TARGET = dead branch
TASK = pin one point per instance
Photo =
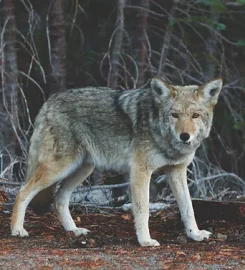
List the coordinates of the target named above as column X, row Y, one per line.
column 2, row 182
column 85, row 189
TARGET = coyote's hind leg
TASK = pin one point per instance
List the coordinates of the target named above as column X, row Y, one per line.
column 63, row 195
column 45, row 175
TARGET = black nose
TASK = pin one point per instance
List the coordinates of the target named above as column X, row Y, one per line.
column 184, row 137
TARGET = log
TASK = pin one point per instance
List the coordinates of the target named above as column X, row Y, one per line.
column 218, row 210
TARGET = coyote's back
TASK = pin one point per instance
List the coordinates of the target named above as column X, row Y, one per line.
column 137, row 131
column 85, row 125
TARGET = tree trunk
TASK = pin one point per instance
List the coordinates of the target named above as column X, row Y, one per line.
column 141, row 41
column 9, row 92
column 117, row 40
column 211, row 50
column 167, row 38
column 57, row 45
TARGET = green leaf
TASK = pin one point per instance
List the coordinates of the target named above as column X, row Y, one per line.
column 239, row 126
column 172, row 22
column 241, row 43
column 207, row 2
column 220, row 26
column 215, row 5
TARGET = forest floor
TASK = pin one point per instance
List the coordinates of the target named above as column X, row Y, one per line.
column 112, row 244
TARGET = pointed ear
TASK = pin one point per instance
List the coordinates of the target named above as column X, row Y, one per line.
column 211, row 90
column 160, row 88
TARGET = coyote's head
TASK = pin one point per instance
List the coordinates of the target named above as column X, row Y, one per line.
column 186, row 112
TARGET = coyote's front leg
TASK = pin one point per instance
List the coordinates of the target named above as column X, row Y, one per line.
column 177, row 177
column 140, row 180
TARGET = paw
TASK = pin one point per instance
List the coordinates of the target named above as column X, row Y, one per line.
column 20, row 232
column 80, row 231
column 149, row 243
column 199, row 235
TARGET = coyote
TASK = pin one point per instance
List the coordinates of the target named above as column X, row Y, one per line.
column 139, row 131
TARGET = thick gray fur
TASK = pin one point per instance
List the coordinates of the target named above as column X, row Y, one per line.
column 135, row 131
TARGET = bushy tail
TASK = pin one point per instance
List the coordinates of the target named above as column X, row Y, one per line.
column 42, row 201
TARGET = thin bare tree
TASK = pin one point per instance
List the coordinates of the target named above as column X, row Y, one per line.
column 9, row 92
column 116, row 46
column 167, row 38
column 141, row 41
column 57, row 45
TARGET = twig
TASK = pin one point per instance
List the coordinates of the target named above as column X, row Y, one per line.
column 85, row 189
column 10, row 183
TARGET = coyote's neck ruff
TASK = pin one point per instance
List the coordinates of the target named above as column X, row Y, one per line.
column 139, row 130
column 171, row 120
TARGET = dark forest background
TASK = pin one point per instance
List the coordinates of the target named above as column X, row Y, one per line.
column 49, row 46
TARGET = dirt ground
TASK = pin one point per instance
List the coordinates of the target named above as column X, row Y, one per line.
column 112, row 244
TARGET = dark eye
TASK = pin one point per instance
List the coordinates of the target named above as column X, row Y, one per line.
column 175, row 115
column 195, row 115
